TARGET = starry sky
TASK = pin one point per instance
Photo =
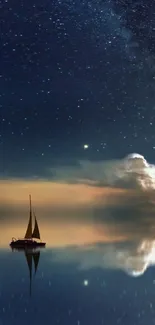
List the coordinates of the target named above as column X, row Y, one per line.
column 75, row 73
column 77, row 95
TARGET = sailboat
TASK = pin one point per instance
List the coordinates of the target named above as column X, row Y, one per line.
column 32, row 238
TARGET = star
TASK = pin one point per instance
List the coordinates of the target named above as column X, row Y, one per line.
column 86, row 146
column 85, row 283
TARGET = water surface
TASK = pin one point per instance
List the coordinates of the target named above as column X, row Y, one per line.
column 91, row 284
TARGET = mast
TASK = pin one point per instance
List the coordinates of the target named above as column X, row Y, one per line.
column 29, row 227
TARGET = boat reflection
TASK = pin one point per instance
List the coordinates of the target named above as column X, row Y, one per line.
column 32, row 257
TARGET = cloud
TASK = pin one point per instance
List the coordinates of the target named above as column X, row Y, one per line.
column 92, row 173
column 132, row 172
column 131, row 257
column 130, row 211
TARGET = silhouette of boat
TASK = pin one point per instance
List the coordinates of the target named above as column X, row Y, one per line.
column 32, row 238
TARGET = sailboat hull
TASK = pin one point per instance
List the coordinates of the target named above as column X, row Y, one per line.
column 25, row 243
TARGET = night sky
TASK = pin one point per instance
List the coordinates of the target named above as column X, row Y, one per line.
column 75, row 73
column 77, row 97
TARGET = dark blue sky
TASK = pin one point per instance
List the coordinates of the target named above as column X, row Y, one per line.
column 75, row 73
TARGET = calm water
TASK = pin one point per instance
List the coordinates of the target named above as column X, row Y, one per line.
column 100, row 284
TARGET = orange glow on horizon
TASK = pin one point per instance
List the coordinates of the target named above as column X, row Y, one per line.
column 51, row 193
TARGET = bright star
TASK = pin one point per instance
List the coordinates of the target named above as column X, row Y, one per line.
column 85, row 282
column 86, row 146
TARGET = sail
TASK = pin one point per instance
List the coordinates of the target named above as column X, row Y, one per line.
column 29, row 227
column 36, row 232
column 36, row 257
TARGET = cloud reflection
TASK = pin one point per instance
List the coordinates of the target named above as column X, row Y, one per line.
column 131, row 257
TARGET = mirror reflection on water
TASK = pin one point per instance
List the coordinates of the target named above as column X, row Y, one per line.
column 110, row 283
